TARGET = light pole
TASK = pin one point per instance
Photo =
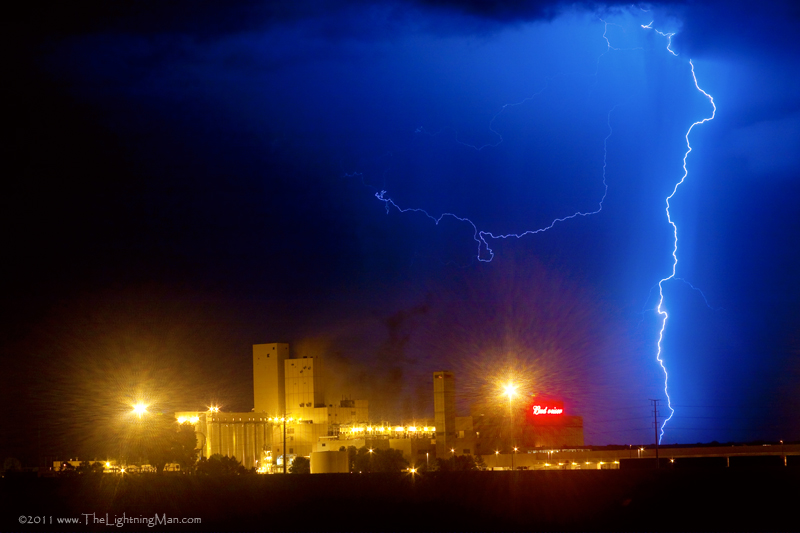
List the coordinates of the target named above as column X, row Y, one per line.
column 139, row 432
column 512, row 458
column 511, row 391
column 284, row 442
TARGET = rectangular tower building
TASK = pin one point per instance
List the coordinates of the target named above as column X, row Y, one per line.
column 444, row 410
column 268, row 378
column 304, row 388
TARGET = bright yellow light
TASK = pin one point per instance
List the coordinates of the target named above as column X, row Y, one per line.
column 108, row 465
column 181, row 419
column 139, row 409
column 515, row 448
column 413, row 470
column 412, row 428
column 497, row 452
column 510, row 389
column 370, row 450
column 122, row 470
column 194, row 419
column 399, row 428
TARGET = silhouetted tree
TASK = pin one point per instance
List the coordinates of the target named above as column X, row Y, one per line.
column 363, row 460
column 87, row 467
column 219, row 465
column 67, row 470
column 463, row 463
column 458, row 463
column 166, row 442
column 388, row 461
column 352, row 453
column 300, row 465
column 185, row 447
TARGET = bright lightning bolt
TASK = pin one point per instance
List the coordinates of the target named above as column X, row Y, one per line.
column 485, row 253
column 659, row 308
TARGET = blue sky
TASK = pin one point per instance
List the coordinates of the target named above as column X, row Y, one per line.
column 204, row 179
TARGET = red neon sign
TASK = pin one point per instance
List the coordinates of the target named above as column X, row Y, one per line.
column 547, row 410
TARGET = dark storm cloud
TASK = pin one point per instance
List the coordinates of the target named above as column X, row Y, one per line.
column 710, row 28
column 204, row 19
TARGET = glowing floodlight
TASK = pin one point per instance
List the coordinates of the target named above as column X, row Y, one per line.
column 510, row 390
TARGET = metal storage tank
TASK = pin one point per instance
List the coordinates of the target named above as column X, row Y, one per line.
column 332, row 462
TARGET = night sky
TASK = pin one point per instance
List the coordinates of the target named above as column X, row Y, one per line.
column 190, row 178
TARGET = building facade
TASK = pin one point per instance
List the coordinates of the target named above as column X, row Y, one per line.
column 291, row 417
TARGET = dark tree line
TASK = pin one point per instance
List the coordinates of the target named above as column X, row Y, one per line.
column 158, row 440
column 362, row 460
column 220, row 465
column 456, row 463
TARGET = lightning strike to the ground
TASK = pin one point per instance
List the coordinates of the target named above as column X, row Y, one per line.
column 660, row 307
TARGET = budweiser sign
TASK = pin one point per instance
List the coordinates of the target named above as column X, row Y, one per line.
column 547, row 410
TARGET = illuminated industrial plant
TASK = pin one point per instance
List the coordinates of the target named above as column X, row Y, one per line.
column 291, row 418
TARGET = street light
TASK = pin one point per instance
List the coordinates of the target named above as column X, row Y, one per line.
column 512, row 458
column 139, row 409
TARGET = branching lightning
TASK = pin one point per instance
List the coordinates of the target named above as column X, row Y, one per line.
column 660, row 307
column 485, row 253
column 661, row 33
column 482, row 237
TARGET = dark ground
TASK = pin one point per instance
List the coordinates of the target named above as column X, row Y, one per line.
column 719, row 499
